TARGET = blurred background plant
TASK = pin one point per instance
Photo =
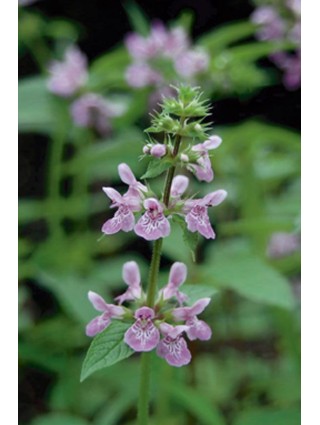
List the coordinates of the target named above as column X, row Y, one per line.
column 73, row 135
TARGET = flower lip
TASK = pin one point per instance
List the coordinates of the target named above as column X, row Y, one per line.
column 144, row 313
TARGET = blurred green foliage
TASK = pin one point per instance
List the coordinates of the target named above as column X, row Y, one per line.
column 248, row 374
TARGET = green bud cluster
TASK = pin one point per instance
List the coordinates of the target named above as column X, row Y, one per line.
column 183, row 115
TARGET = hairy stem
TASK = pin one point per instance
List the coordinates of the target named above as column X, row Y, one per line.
column 143, row 406
column 170, row 173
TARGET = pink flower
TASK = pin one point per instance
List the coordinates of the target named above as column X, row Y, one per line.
column 123, row 218
column 160, row 42
column 127, row 204
column 191, row 63
column 292, row 72
column 197, row 213
column 177, row 42
column 67, row 76
column 197, row 329
column 158, row 150
column 138, row 47
column 136, row 188
column 131, row 276
column 143, row 335
column 272, row 27
column 93, row 111
column 203, row 169
column 177, row 276
column 153, row 224
column 99, row 323
column 282, row 244
column 141, row 75
column 179, row 186
column 173, row 347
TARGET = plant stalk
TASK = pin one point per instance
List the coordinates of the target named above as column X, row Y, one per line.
column 143, row 405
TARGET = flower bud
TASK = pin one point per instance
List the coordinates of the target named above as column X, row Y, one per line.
column 158, row 150
column 184, row 157
column 146, row 149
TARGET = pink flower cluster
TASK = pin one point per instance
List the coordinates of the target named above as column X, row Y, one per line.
column 284, row 25
column 68, row 78
column 162, row 45
column 171, row 319
column 154, row 223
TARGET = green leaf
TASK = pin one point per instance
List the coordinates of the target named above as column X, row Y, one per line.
column 106, row 349
column 221, row 37
column 197, row 404
column 191, row 239
column 108, row 70
column 156, row 167
column 71, row 287
column 137, row 17
column 254, row 51
column 288, row 416
column 234, row 267
column 197, row 291
column 102, row 158
column 59, row 419
column 35, row 113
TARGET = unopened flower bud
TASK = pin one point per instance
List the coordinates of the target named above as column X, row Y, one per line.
column 184, row 157
column 146, row 149
column 198, row 127
column 158, row 150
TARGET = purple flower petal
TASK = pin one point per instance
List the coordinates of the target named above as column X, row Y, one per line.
column 178, row 274
column 158, row 150
column 97, row 325
column 131, row 276
column 173, row 348
column 97, row 301
column 131, row 273
column 203, row 169
column 214, row 198
column 68, row 75
column 143, row 335
column 212, row 143
column 198, row 221
column 126, row 175
column 198, row 329
column 122, row 220
column 114, row 195
column 179, row 185
column 186, row 313
column 153, row 224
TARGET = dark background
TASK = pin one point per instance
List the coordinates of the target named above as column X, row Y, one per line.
column 105, row 23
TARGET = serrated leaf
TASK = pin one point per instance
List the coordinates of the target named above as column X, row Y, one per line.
column 106, row 349
column 197, row 291
column 155, row 168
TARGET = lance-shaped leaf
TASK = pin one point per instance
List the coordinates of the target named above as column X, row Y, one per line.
column 106, row 349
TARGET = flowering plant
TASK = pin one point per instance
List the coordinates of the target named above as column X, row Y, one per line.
column 281, row 22
column 140, row 317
